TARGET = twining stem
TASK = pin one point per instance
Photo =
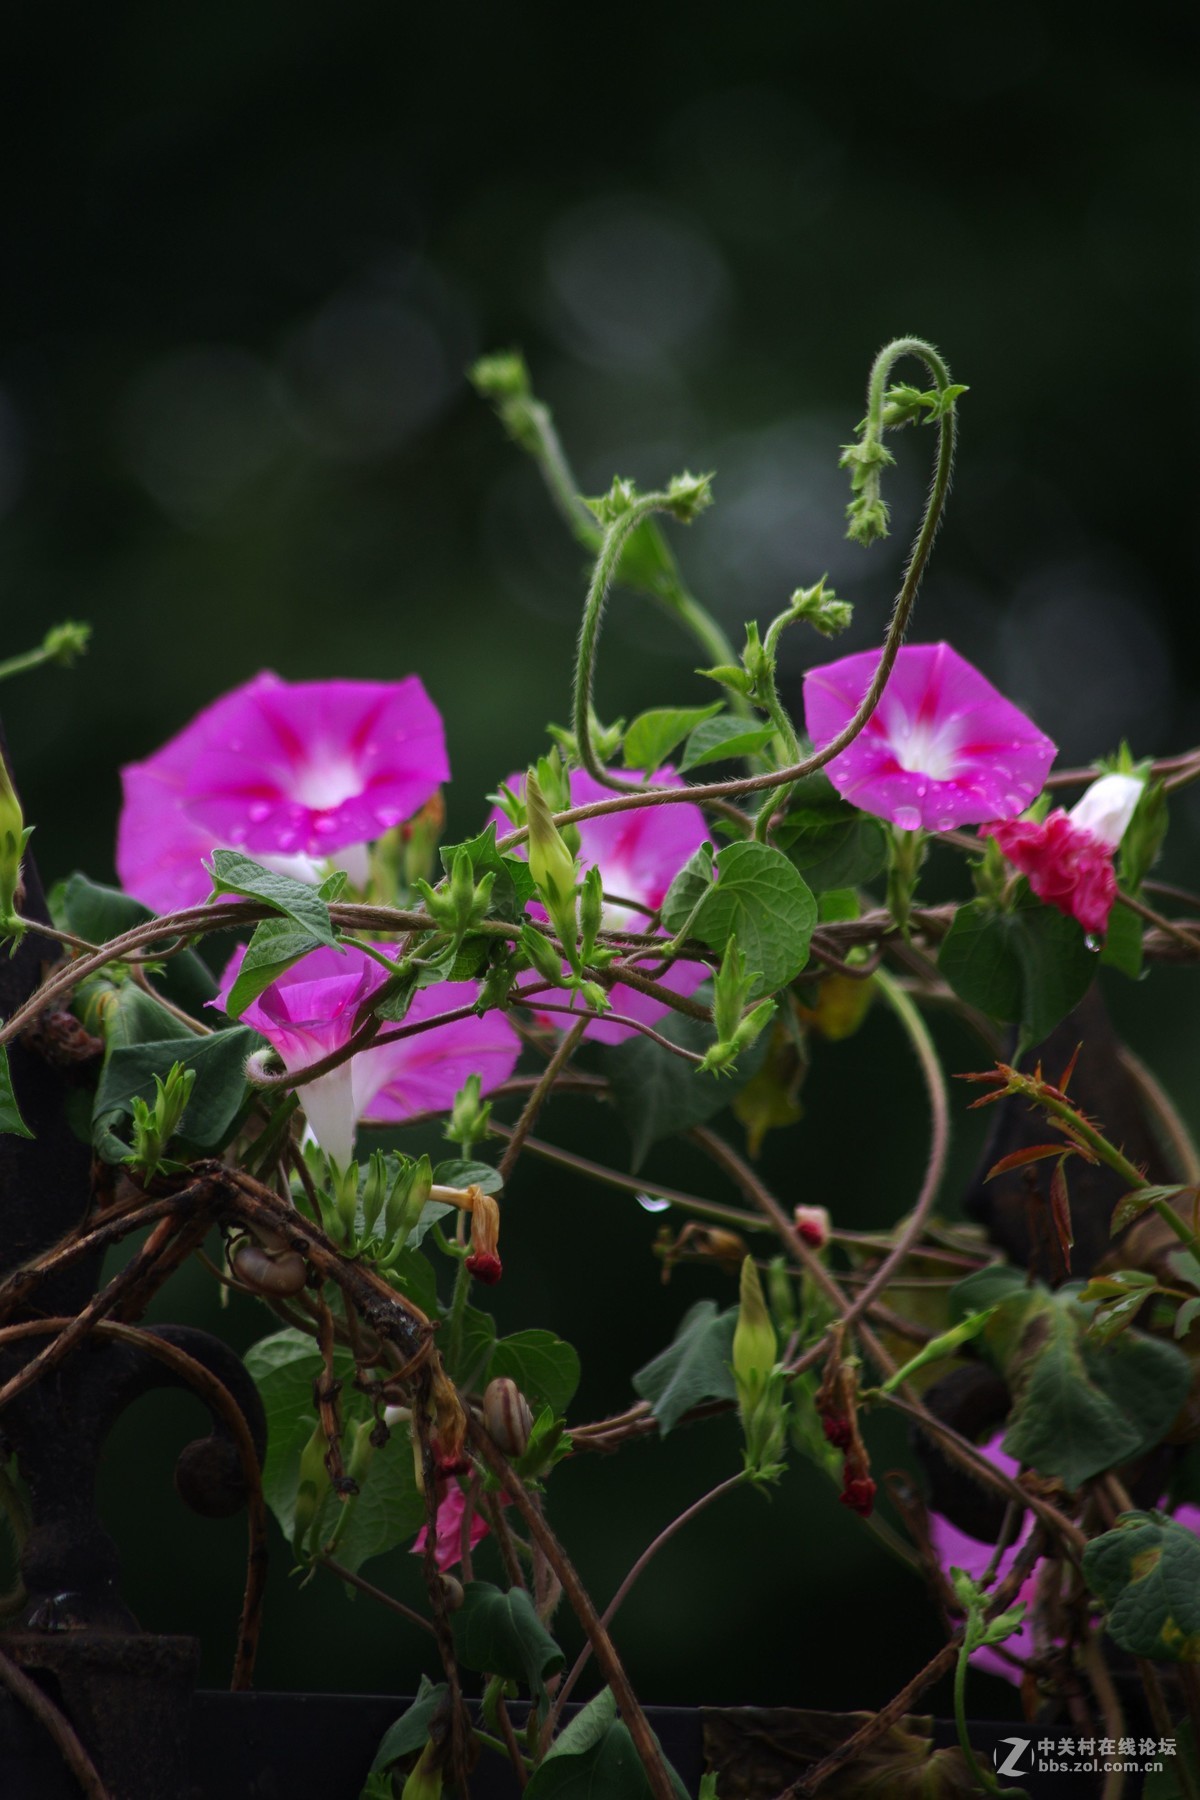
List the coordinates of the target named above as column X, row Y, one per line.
column 612, row 545
column 935, row 1167
column 365, row 1587
column 911, row 581
column 581, row 1605
column 563, row 1053
column 610, row 1612
column 703, row 1209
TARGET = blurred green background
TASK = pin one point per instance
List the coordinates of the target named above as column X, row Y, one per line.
column 249, row 253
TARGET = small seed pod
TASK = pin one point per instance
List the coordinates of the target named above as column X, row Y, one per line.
column 453, row 1590
column 268, row 1272
column 507, row 1416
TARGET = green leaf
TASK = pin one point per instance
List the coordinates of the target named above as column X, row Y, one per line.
column 544, row 1368
column 275, row 946
column 10, row 1113
column 217, row 1097
column 1147, row 1573
column 234, row 873
column 658, row 1093
column 388, row 1510
column 724, row 740
column 763, row 901
column 696, row 1366
column 652, row 737
column 1123, row 942
column 688, row 889
column 833, row 845
column 454, row 1172
column 411, row 1729
column 594, row 1759
column 1080, row 1407
column 513, row 886
column 469, row 1366
column 497, row 1630
column 1027, row 968
column 99, row 913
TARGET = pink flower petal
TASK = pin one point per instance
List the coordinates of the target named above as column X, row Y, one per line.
column 639, row 853
column 312, row 1009
column 423, row 1073
column 942, row 748
column 448, row 1545
column 291, row 771
column 1067, row 867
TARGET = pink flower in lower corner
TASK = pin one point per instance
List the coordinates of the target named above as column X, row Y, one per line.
column 942, row 748
column 639, row 853
column 1068, row 857
column 311, row 1011
column 290, row 773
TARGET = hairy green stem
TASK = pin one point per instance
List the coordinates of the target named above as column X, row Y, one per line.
column 901, row 611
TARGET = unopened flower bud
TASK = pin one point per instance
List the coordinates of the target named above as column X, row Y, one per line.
column 452, row 1590
column 275, row 1272
column 484, row 1259
column 813, row 1225
column 1107, row 807
column 858, row 1493
column 754, row 1343
column 507, row 1416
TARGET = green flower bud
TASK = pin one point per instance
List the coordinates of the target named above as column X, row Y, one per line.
column 551, row 864
column 425, row 1782
column 14, row 835
column 407, row 1201
column 469, row 1117
column 313, row 1486
column 822, row 608
column 591, row 911
column 754, row 1342
column 543, row 957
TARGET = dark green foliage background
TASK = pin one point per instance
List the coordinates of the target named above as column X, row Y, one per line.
column 249, row 251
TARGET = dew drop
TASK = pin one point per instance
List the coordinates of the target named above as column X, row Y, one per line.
column 287, row 840
column 922, row 790
column 652, row 1203
column 1016, row 801
column 237, row 834
column 1092, row 942
column 945, row 822
column 259, row 811
column 907, row 818
column 323, row 824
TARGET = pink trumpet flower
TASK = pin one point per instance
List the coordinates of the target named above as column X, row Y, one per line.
column 941, row 749
column 1068, row 857
column 311, row 1010
column 639, row 853
column 448, row 1543
column 291, row 773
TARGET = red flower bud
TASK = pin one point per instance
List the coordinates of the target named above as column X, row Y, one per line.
column 485, row 1267
column 838, row 1430
column 858, row 1494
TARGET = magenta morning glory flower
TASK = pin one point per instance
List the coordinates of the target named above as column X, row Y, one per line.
column 448, row 1545
column 639, row 853
column 1068, row 857
column 311, row 1010
column 942, row 748
column 290, row 773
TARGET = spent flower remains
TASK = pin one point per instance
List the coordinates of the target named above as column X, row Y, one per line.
column 673, row 920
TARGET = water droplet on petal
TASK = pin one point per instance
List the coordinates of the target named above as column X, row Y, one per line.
column 287, row 840
column 945, row 822
column 323, row 824
column 237, row 834
column 1016, row 801
column 922, row 790
column 258, row 812
column 908, row 818
column 652, row 1203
